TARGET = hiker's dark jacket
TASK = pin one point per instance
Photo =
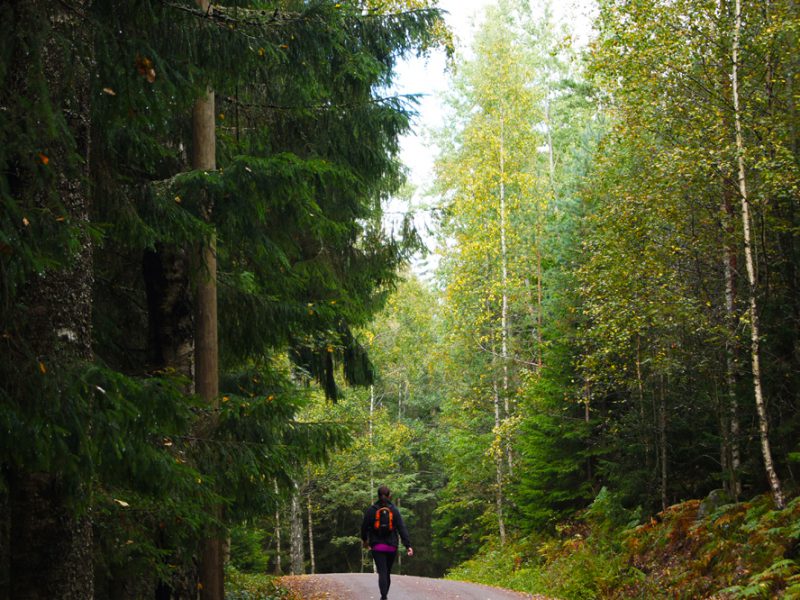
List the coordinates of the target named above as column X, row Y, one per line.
column 372, row 536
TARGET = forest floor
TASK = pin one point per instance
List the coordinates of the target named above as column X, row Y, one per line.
column 364, row 586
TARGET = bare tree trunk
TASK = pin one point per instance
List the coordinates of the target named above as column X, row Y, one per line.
column 550, row 150
column 731, row 432
column 729, row 417
column 296, row 538
column 643, row 429
column 763, row 421
column 365, row 552
column 371, row 418
column 278, row 547
column 538, row 247
column 539, row 298
column 504, row 301
column 311, row 553
column 206, row 339
column 50, row 544
column 587, row 394
column 662, row 442
column 498, row 456
column 534, row 311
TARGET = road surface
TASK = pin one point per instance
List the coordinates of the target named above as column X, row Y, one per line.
column 364, row 586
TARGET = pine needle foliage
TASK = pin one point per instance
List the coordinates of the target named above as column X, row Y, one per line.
column 307, row 149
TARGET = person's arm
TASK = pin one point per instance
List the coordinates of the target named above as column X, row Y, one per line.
column 401, row 529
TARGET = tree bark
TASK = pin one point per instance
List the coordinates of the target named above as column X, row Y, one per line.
column 550, row 149
column 539, row 300
column 644, row 427
column 206, row 340
column 498, row 456
column 311, row 553
column 296, row 538
column 662, row 443
column 755, row 338
column 169, row 310
column 731, row 421
column 51, row 545
column 278, row 546
column 504, row 301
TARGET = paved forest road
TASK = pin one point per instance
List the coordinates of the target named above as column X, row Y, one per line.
column 364, row 586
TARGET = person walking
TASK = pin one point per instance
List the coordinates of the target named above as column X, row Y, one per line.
column 381, row 530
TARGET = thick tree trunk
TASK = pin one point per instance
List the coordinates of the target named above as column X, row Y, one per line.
column 755, row 339
column 51, row 546
column 296, row 538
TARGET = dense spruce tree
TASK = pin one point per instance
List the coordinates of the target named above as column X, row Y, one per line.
column 47, row 299
column 306, row 153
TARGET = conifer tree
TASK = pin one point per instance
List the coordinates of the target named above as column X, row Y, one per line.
column 306, row 155
column 47, row 303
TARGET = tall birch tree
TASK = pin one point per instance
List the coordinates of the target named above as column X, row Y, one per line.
column 488, row 176
column 755, row 329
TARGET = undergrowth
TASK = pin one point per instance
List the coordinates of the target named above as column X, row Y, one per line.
column 736, row 551
column 252, row 586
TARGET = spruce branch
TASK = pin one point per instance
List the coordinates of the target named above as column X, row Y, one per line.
column 396, row 99
column 221, row 15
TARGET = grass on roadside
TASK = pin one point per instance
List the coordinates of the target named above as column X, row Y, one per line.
column 253, row 586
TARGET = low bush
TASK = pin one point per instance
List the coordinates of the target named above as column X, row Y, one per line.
column 250, row 586
column 741, row 550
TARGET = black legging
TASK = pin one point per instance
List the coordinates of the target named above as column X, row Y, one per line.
column 383, row 563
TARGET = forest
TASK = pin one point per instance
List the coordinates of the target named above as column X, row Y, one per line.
column 216, row 342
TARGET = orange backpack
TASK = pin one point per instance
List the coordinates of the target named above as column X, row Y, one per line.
column 384, row 520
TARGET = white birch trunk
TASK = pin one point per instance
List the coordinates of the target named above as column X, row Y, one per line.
column 498, row 456
column 296, row 550
column 550, row 153
column 371, row 417
column 504, row 286
column 539, row 296
column 763, row 421
column 278, row 546
column 311, row 554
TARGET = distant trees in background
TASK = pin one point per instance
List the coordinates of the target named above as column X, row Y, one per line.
column 591, row 323
column 595, row 252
